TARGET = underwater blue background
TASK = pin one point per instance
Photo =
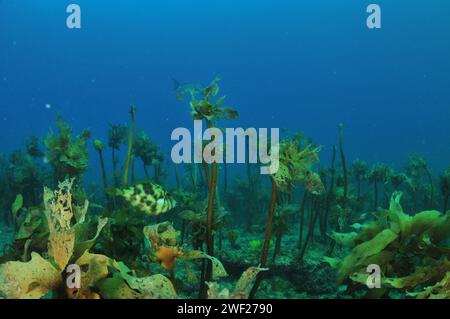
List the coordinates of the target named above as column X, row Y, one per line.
column 300, row 65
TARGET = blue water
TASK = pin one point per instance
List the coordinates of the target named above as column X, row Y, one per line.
column 301, row 65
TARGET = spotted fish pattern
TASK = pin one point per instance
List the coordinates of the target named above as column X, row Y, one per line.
column 149, row 198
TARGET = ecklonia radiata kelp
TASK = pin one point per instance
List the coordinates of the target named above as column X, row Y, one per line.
column 28, row 280
column 59, row 213
column 358, row 257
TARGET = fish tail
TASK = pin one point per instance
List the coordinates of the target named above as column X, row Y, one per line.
column 114, row 192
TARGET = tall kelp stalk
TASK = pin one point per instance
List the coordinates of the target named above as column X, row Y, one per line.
column 251, row 187
column 157, row 167
column 330, row 192
column 374, row 178
column 202, row 179
column 178, row 177
column 115, row 163
column 117, row 136
column 251, row 197
column 148, row 152
column 294, row 165
column 209, row 108
column 147, row 175
column 212, row 192
column 99, row 147
column 343, row 165
column 194, row 175
column 130, row 146
column 446, row 203
column 217, row 193
column 133, row 171
column 323, row 199
column 313, row 214
column 359, row 170
column 416, row 168
column 16, row 206
column 265, row 250
column 302, row 219
column 225, row 178
column 207, row 179
column 380, row 174
column 417, row 172
column 431, row 183
column 212, row 187
column 375, row 195
column 445, row 189
column 344, row 171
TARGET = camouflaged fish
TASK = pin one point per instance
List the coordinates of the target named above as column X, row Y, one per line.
column 147, row 197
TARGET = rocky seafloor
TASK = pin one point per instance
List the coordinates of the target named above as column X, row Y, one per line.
column 288, row 276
